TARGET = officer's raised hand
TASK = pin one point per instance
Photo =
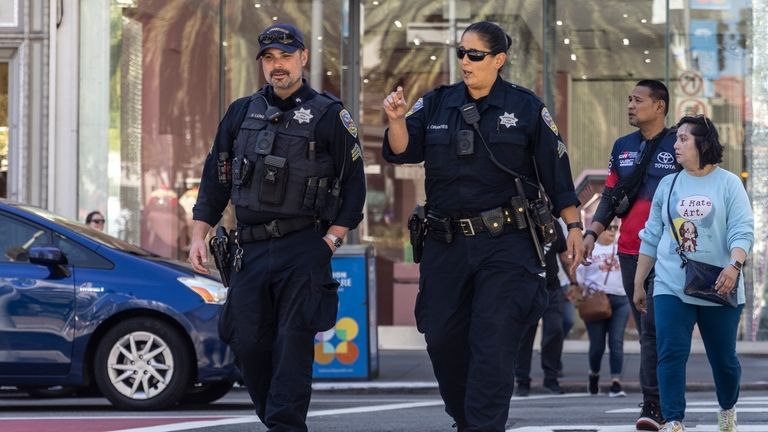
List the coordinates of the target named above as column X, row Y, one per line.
column 395, row 105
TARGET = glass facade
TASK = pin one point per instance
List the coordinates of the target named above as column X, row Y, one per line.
column 157, row 75
column 3, row 130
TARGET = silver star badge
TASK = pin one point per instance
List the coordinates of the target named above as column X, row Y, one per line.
column 302, row 115
column 508, row 119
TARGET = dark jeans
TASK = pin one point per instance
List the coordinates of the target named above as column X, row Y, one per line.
column 551, row 340
column 612, row 327
column 646, row 327
column 718, row 326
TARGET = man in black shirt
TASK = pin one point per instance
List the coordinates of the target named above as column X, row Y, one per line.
column 289, row 159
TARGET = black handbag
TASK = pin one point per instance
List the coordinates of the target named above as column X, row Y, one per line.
column 700, row 277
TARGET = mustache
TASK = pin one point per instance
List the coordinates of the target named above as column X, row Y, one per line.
column 274, row 71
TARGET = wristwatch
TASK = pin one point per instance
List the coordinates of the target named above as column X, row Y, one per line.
column 336, row 240
column 573, row 225
column 590, row 232
column 737, row 264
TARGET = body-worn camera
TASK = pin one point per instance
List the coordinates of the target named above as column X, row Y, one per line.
column 264, row 141
column 465, row 143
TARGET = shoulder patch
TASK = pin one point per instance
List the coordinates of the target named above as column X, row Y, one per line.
column 548, row 120
column 417, row 106
column 349, row 124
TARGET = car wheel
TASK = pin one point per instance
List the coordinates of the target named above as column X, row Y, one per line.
column 143, row 364
column 204, row 393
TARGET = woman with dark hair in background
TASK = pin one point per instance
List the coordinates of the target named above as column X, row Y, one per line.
column 95, row 220
column 482, row 281
column 711, row 202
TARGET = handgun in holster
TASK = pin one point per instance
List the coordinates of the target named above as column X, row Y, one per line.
column 219, row 247
column 417, row 227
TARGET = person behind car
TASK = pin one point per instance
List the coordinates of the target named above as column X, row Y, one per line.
column 95, row 220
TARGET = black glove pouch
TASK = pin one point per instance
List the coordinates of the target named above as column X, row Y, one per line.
column 494, row 221
column 274, row 180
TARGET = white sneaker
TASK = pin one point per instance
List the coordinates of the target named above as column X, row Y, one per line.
column 673, row 426
column 726, row 420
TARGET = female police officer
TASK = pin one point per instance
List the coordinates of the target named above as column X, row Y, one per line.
column 482, row 282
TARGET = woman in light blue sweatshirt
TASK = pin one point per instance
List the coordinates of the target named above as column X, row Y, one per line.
column 713, row 218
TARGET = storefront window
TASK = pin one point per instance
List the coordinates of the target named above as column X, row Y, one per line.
column 411, row 44
column 3, row 130
column 149, row 110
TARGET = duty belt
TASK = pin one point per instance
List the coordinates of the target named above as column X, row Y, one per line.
column 469, row 226
column 273, row 229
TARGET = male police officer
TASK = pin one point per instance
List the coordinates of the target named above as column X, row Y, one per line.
column 649, row 154
column 290, row 160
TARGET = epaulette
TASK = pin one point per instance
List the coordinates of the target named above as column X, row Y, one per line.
column 331, row 96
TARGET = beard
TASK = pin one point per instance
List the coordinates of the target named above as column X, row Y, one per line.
column 286, row 82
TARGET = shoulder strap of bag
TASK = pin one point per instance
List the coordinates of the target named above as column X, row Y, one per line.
column 679, row 248
column 637, row 174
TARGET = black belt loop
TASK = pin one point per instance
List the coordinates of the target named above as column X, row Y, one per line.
column 274, row 229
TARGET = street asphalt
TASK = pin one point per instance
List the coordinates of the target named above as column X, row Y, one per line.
column 411, row 370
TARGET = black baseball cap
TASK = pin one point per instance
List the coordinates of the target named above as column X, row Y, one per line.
column 284, row 37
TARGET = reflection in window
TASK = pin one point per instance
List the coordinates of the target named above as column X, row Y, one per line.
column 17, row 237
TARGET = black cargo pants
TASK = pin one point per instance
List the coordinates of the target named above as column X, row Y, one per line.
column 283, row 295
column 477, row 296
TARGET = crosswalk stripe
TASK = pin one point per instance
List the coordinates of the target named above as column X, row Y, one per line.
column 625, row 428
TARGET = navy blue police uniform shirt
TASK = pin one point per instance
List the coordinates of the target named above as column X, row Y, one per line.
column 516, row 126
column 337, row 135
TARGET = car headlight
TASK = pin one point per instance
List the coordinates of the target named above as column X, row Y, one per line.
column 210, row 290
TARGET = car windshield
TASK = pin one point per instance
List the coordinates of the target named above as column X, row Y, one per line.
column 97, row 236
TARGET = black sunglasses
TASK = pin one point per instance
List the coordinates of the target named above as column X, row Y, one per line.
column 474, row 55
column 281, row 37
column 97, row 221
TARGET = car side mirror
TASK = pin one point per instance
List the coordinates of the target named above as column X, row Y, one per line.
column 47, row 256
column 50, row 257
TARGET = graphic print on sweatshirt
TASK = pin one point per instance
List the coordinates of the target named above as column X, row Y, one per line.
column 693, row 209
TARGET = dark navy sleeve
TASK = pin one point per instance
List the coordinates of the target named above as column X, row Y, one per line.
column 339, row 133
column 212, row 198
column 552, row 162
column 416, row 122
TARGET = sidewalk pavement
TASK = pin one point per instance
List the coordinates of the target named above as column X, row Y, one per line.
column 410, row 370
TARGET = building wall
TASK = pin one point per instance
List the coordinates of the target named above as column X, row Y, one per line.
column 25, row 46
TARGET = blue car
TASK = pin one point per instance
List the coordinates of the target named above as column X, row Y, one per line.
column 80, row 308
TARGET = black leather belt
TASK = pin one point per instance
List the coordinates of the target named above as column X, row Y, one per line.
column 472, row 225
column 273, row 229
